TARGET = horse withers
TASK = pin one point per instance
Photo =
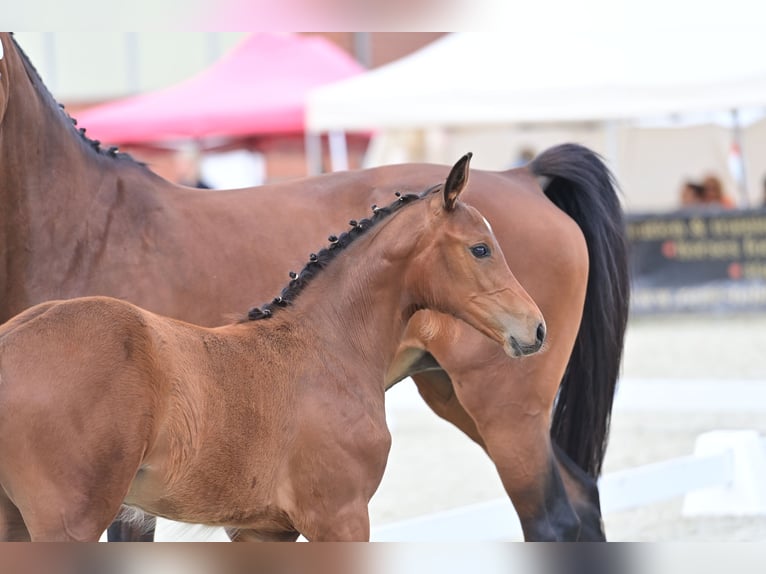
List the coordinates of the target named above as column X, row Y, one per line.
column 271, row 427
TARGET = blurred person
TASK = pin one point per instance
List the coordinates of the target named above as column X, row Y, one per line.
column 187, row 167
column 177, row 165
column 525, row 155
column 714, row 194
column 692, row 194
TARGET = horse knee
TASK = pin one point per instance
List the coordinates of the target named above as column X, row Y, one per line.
column 352, row 525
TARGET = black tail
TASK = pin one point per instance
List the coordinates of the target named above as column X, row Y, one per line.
column 580, row 184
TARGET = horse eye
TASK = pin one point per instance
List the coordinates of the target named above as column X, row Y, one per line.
column 480, row 251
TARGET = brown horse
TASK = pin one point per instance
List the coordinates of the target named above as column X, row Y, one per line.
column 80, row 220
column 271, row 427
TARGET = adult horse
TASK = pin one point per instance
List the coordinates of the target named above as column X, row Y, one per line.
column 81, row 220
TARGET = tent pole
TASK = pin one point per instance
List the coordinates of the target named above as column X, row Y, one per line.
column 612, row 146
column 313, row 148
column 738, row 166
column 363, row 48
column 338, row 151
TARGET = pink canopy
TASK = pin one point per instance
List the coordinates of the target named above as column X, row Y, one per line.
column 259, row 88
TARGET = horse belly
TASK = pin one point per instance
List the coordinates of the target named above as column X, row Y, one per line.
column 199, row 494
column 211, row 507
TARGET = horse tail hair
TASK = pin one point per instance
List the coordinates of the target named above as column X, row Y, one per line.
column 578, row 182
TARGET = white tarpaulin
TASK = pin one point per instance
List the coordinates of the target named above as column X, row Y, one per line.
column 527, row 76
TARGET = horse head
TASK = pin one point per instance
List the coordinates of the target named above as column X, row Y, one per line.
column 471, row 273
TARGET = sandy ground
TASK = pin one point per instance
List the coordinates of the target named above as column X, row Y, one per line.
column 433, row 467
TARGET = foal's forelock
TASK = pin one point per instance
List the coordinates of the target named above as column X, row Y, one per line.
column 318, row 261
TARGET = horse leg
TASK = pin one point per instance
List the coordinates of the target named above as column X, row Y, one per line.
column 504, row 405
column 58, row 499
column 335, row 474
column 584, row 496
column 122, row 531
column 50, row 516
column 519, row 445
column 248, row 535
column 436, row 390
column 12, row 527
column 69, row 491
column 67, row 516
column 351, row 524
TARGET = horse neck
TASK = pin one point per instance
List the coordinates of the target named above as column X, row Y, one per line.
column 45, row 162
column 356, row 309
column 59, row 196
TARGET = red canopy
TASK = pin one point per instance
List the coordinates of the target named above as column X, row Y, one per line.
column 258, row 88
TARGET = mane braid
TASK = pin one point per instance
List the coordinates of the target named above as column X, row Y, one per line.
column 318, row 261
column 37, row 80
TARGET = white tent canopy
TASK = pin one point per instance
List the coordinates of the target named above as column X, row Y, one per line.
column 525, row 76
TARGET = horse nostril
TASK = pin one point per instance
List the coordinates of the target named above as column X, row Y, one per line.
column 540, row 334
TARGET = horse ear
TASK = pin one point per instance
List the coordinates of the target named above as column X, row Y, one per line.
column 456, row 181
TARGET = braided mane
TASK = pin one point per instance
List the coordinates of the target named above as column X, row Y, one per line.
column 318, row 261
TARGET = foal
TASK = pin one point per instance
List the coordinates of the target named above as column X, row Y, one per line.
column 271, row 427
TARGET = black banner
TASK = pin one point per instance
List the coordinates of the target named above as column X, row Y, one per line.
column 698, row 261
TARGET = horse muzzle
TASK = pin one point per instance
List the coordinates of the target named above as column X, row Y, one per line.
column 516, row 348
